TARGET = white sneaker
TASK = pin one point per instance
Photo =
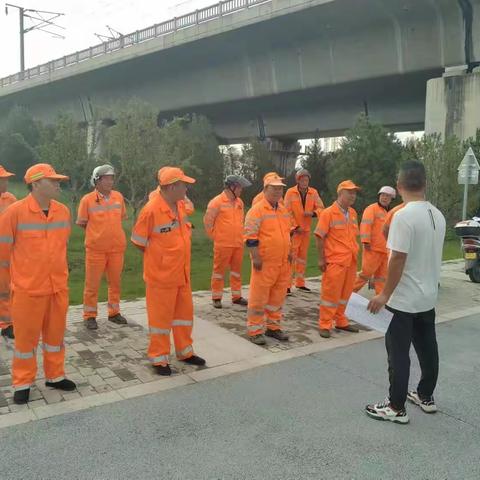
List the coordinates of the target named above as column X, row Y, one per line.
column 428, row 406
column 383, row 411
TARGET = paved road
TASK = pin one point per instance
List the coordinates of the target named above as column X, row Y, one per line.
column 300, row 419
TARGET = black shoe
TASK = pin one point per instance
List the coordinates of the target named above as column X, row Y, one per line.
column 348, row 328
column 20, row 397
column 195, row 360
column 277, row 334
column 163, row 370
column 118, row 319
column 217, row 304
column 305, row 289
column 8, row 332
column 289, row 291
column 240, row 301
column 65, row 385
column 91, row 323
column 325, row 333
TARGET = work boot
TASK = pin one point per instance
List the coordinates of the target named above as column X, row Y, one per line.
column 305, row 289
column 118, row 319
column 240, row 301
column 325, row 333
column 20, row 397
column 91, row 323
column 217, row 303
column 277, row 334
column 195, row 360
column 65, row 385
column 258, row 339
column 348, row 328
column 163, row 370
column 8, row 332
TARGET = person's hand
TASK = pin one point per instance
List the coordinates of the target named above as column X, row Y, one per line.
column 367, row 247
column 322, row 264
column 377, row 303
column 257, row 264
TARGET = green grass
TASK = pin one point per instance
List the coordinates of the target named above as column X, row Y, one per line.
column 202, row 258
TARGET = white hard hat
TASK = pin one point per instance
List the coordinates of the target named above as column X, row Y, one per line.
column 388, row 190
column 100, row 171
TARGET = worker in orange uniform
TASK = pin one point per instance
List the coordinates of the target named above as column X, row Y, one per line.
column 101, row 213
column 389, row 218
column 163, row 233
column 223, row 222
column 187, row 203
column 6, row 199
column 375, row 253
column 304, row 203
column 268, row 226
column 336, row 236
column 33, row 235
column 261, row 195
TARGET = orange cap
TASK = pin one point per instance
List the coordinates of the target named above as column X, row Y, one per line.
column 42, row 170
column 347, row 185
column 273, row 179
column 4, row 173
column 169, row 175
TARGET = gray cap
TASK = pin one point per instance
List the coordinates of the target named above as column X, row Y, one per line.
column 237, row 180
column 100, row 171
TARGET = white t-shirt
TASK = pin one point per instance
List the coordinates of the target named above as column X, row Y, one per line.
column 418, row 230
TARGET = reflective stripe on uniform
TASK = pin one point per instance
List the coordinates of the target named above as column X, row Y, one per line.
column 236, row 292
column 325, row 303
column 138, row 239
column 160, row 358
column 337, row 222
column 253, row 328
column 217, row 275
column 4, row 295
column 113, row 305
column 272, row 308
column 159, row 331
column 5, row 319
column 42, row 226
column 235, row 274
column 105, row 208
column 300, row 260
column 343, row 302
column 4, row 263
column 87, row 308
column 255, row 312
column 185, row 351
column 54, row 380
column 52, row 348
column 6, row 239
column 17, row 388
column 182, row 323
column 366, row 221
column 24, row 356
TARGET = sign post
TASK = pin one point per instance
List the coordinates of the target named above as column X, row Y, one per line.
column 468, row 175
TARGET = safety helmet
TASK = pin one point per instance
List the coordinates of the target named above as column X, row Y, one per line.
column 388, row 190
column 234, row 180
column 100, row 171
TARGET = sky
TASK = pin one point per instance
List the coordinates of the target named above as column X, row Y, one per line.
column 83, row 18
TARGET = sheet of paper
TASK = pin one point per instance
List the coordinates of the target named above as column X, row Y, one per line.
column 357, row 311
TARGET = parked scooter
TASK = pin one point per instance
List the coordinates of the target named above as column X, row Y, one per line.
column 469, row 232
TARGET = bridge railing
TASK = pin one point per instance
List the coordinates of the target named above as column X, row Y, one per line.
column 206, row 14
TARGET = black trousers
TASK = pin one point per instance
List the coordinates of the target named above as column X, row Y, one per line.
column 405, row 329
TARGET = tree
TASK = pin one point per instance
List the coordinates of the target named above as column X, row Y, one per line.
column 64, row 145
column 369, row 155
column 319, row 163
column 190, row 143
column 18, row 140
column 133, row 146
column 255, row 161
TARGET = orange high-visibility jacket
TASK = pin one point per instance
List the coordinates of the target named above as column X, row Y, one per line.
column 6, row 199
column 391, row 213
column 271, row 228
column 187, row 204
column 103, row 219
column 339, row 234
column 313, row 204
column 371, row 227
column 36, row 246
column 223, row 221
column 166, row 241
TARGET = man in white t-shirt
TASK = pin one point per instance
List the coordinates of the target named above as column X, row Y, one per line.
column 415, row 240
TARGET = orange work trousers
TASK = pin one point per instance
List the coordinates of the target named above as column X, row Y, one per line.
column 300, row 244
column 223, row 258
column 5, row 318
column 44, row 316
column 169, row 310
column 96, row 264
column 374, row 270
column 337, row 286
column 268, row 289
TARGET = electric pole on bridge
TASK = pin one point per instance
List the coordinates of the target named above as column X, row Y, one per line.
column 41, row 19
